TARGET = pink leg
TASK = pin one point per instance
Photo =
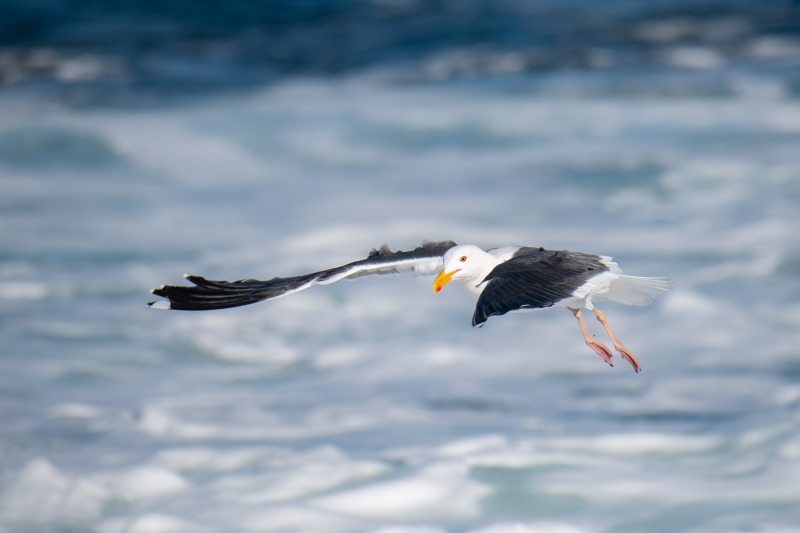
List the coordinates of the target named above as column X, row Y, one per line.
column 621, row 348
column 599, row 348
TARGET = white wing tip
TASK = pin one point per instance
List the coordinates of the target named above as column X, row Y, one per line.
column 161, row 304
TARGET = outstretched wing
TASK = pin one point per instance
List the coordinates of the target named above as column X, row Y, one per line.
column 207, row 294
column 534, row 278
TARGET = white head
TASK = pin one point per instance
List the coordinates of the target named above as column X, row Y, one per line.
column 467, row 264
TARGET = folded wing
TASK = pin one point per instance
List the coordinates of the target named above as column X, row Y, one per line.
column 534, row 278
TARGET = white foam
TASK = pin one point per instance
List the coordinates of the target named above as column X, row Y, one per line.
column 307, row 474
column 529, row 527
column 644, row 444
column 86, row 68
column 339, row 356
column 161, row 422
column 446, row 355
column 472, row 446
column 688, row 302
column 791, row 450
column 40, row 493
column 758, row 88
column 23, row 290
column 170, row 148
column 190, row 459
column 230, row 337
column 76, row 410
column 235, row 347
column 294, row 519
column 304, row 480
column 144, row 482
column 775, row 46
column 698, row 57
column 408, row 529
column 252, row 422
column 151, row 523
column 441, row 491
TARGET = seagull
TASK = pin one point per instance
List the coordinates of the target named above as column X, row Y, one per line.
column 511, row 278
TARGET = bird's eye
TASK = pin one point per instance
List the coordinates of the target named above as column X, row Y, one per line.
column 463, row 258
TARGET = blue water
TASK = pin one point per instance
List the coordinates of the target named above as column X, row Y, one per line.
column 373, row 406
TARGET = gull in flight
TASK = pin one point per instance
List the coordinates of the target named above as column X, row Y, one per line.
column 504, row 279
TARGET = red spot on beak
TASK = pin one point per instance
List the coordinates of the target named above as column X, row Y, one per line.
column 442, row 279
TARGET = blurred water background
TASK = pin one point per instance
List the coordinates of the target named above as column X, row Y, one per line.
column 142, row 140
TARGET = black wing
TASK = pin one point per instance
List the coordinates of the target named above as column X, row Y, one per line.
column 534, row 278
column 207, row 294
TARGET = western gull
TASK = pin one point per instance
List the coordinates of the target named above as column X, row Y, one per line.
column 511, row 278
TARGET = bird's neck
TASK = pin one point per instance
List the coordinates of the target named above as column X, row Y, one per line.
column 474, row 285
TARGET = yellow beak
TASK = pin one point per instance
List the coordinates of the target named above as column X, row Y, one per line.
column 442, row 279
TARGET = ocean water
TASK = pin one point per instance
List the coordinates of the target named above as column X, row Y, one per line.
column 373, row 406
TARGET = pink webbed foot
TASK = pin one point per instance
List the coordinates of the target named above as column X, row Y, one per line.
column 628, row 356
column 621, row 348
column 600, row 349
